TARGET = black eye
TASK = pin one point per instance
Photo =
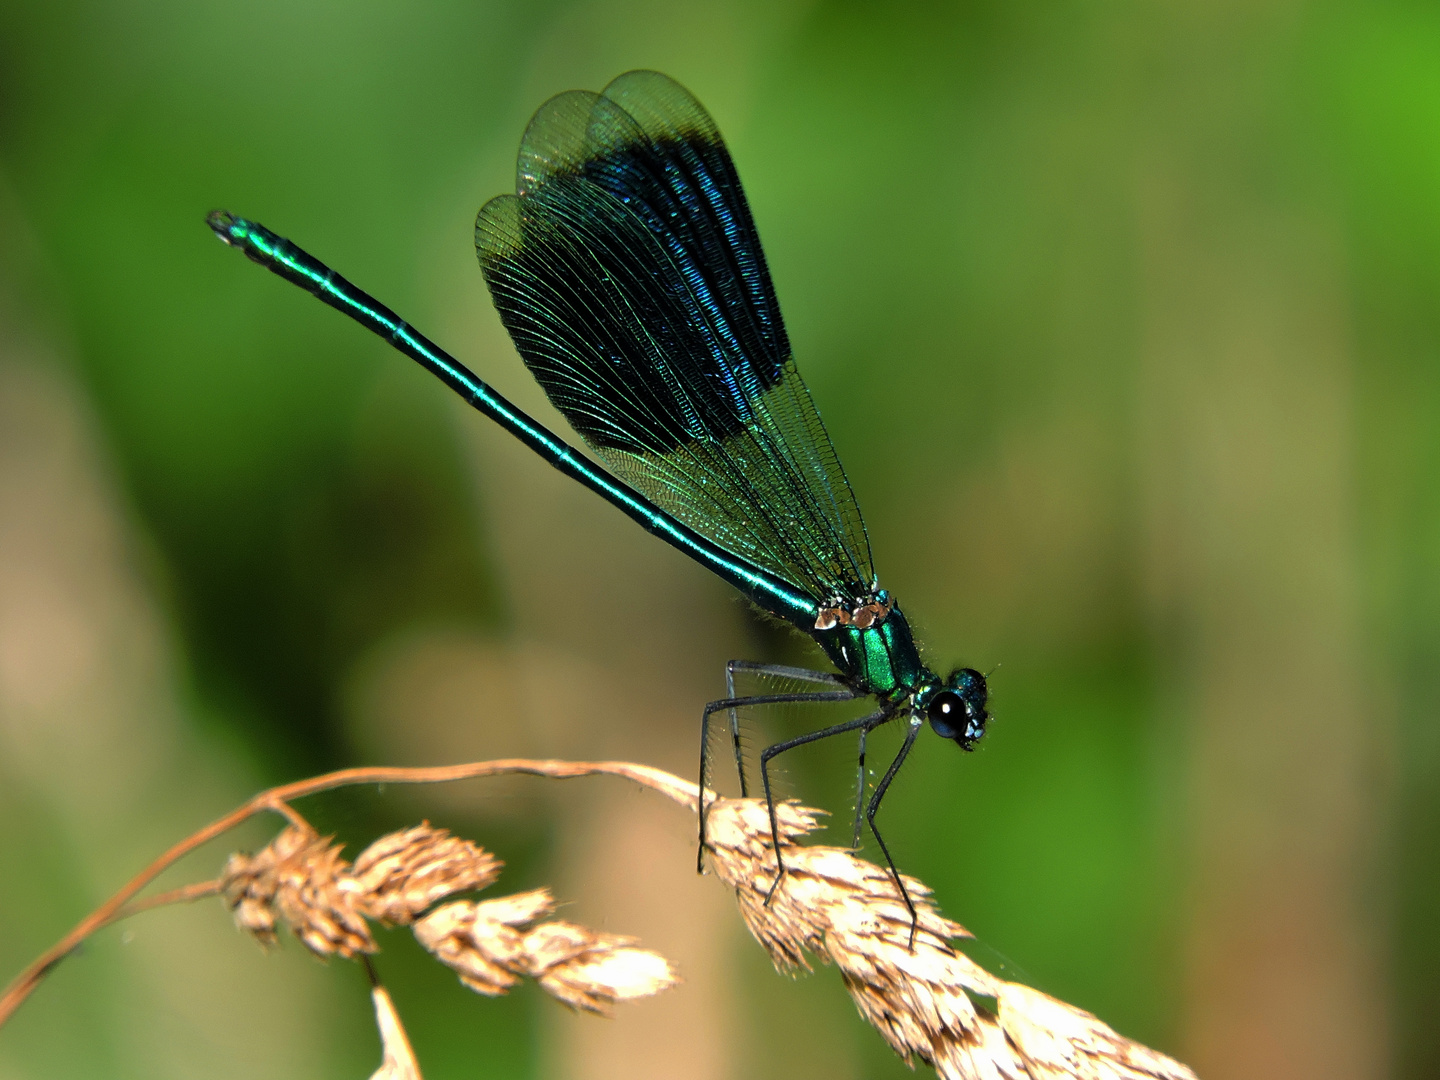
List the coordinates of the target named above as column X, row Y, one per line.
column 947, row 714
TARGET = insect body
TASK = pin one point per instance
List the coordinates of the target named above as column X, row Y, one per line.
column 628, row 271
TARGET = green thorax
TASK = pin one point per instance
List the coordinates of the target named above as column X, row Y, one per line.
column 880, row 659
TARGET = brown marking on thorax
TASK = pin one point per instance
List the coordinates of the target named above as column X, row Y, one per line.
column 866, row 613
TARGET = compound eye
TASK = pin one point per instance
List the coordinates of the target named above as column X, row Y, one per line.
column 947, row 714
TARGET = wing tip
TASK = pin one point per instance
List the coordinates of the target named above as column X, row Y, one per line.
column 497, row 231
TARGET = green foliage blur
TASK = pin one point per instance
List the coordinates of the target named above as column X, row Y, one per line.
column 1124, row 318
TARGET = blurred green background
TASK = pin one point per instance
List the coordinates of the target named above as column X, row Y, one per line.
column 1125, row 319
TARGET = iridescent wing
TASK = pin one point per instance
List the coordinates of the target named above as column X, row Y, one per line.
column 628, row 271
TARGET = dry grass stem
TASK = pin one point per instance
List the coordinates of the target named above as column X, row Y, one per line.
column 931, row 1002
column 276, row 800
column 186, row 894
column 397, row 1060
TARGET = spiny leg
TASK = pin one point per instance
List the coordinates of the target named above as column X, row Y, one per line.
column 863, row 723
column 757, row 667
column 860, row 781
column 874, row 807
column 845, row 694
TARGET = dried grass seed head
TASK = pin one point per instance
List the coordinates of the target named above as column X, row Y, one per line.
column 248, row 884
column 317, row 900
column 480, row 942
column 485, row 945
column 400, row 875
column 594, row 971
column 922, row 1000
column 300, row 879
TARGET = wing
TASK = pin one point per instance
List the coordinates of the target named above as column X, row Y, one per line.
column 628, row 271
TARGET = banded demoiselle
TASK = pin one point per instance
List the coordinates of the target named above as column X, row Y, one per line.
column 629, row 273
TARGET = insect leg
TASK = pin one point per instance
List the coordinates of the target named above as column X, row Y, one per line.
column 780, row 671
column 861, row 723
column 860, row 791
column 874, row 807
column 731, row 704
